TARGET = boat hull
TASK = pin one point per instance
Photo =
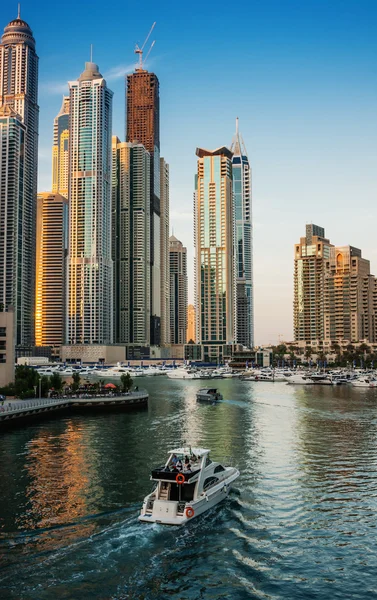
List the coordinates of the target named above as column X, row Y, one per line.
column 164, row 512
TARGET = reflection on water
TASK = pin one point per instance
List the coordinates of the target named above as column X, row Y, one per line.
column 300, row 524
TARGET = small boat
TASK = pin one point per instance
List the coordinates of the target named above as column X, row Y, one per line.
column 179, row 496
column 362, row 382
column 182, row 373
column 299, row 380
column 208, row 395
column 321, row 379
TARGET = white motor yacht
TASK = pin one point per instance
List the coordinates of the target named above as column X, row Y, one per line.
column 115, row 372
column 180, row 496
column 182, row 373
column 153, row 371
column 362, row 382
column 321, row 379
column 299, row 380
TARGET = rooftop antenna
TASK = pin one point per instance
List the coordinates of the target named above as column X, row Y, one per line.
column 91, row 52
column 236, row 125
column 139, row 51
column 19, row 11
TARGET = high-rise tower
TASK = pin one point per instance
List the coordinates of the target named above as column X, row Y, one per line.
column 164, row 252
column 90, row 309
column 13, row 275
column 214, row 252
column 60, row 150
column 143, row 126
column 130, row 247
column 19, row 92
column 311, row 255
column 178, row 291
column 52, row 227
column 243, row 250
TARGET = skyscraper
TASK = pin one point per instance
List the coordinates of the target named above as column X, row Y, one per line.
column 143, row 126
column 214, row 252
column 349, row 292
column 130, row 247
column 52, row 246
column 244, row 325
column 19, row 91
column 309, row 272
column 178, row 291
column 14, row 276
column 90, row 273
column 60, row 150
column 164, row 252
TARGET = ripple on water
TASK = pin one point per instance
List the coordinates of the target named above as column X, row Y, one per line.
column 300, row 523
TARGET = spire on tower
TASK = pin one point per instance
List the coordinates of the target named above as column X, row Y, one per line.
column 238, row 145
column 19, row 11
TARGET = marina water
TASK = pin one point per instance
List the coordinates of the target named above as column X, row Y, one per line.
column 300, row 523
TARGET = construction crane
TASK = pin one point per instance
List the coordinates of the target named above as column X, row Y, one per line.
column 140, row 51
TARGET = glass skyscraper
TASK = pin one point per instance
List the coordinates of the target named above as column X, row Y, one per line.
column 60, row 150
column 244, row 322
column 130, row 242
column 13, row 278
column 19, row 92
column 90, row 309
column 178, row 291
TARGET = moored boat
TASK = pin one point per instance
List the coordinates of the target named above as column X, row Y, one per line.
column 179, row 496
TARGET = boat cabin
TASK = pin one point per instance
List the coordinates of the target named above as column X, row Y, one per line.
column 178, row 481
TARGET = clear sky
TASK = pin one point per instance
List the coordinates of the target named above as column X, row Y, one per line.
column 301, row 77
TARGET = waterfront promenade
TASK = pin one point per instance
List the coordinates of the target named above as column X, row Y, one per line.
column 15, row 411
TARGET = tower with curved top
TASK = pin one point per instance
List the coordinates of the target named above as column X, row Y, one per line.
column 214, row 252
column 19, row 94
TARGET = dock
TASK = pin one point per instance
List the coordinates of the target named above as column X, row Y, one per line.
column 21, row 411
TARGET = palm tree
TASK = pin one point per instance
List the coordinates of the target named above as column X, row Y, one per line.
column 364, row 348
column 308, row 352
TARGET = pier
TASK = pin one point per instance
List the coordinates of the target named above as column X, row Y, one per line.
column 25, row 410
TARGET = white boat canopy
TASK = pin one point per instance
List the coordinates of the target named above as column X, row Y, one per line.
column 189, row 450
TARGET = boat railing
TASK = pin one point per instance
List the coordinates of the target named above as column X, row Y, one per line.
column 162, row 474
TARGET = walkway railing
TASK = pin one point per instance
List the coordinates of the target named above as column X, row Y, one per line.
column 32, row 404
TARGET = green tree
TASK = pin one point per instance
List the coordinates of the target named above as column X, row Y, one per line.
column 281, row 349
column 308, row 352
column 26, row 379
column 56, row 382
column 75, row 382
column 364, row 349
column 45, row 386
column 126, row 382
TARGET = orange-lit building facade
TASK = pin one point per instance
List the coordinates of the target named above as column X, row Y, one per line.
column 335, row 295
column 350, row 291
column 190, row 323
column 52, row 242
column 214, row 252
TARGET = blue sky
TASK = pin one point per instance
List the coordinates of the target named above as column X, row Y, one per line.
column 301, row 77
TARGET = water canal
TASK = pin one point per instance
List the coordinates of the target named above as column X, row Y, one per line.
column 301, row 522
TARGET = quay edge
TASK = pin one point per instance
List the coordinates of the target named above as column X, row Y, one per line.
column 24, row 411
